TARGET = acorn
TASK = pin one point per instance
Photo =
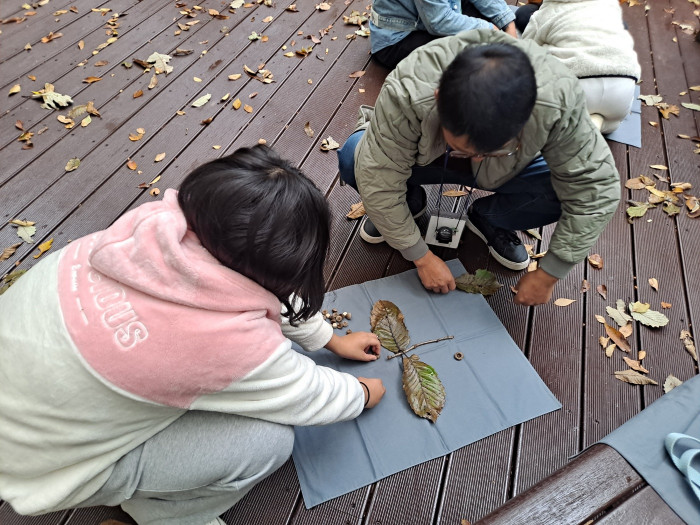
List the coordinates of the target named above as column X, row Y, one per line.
column 334, row 325
column 459, row 356
column 347, row 315
column 348, row 331
column 344, row 324
column 334, row 310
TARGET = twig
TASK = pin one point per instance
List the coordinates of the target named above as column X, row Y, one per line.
column 421, row 344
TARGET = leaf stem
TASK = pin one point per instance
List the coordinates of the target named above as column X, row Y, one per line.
column 404, row 352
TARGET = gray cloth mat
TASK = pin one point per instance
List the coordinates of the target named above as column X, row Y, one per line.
column 641, row 442
column 630, row 130
column 494, row 387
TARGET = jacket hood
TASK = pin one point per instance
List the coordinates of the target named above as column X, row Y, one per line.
column 151, row 250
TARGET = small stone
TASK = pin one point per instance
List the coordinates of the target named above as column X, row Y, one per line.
column 334, row 325
column 344, row 324
column 334, row 310
column 324, row 312
column 459, row 356
column 348, row 331
column 327, row 315
column 348, row 315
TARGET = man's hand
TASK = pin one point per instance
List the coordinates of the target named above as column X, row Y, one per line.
column 434, row 273
column 534, row 288
column 360, row 346
column 510, row 29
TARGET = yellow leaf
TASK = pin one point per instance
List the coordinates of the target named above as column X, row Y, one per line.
column 85, row 121
column 639, row 307
column 217, row 146
column 268, row 19
column 73, row 164
column 90, row 80
column 160, row 157
column 131, row 165
column 81, row 44
column 197, row 79
column 564, row 302
column 290, row 54
column 15, row 89
column 234, row 77
column 247, row 108
column 236, row 103
column 658, row 167
column 44, row 247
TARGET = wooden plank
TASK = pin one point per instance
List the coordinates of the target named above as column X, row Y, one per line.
column 644, row 507
column 656, row 243
column 607, row 402
column 144, row 23
column 586, row 486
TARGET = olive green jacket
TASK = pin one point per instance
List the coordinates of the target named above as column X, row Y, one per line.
column 404, row 130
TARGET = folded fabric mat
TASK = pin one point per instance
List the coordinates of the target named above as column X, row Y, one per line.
column 641, row 442
column 492, row 388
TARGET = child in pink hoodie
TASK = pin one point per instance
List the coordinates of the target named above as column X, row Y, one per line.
column 150, row 364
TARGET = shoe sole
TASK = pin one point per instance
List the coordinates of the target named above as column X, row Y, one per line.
column 501, row 260
column 379, row 240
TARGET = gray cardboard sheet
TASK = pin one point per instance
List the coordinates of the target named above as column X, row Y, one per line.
column 630, row 130
column 494, row 387
column 641, row 442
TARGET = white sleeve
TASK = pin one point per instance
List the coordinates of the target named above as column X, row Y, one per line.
column 289, row 388
column 311, row 334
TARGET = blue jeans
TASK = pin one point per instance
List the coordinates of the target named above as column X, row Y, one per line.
column 524, row 202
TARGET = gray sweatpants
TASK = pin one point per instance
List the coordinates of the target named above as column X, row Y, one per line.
column 195, row 469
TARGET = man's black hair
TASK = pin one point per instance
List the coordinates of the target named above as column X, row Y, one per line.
column 487, row 93
column 261, row 217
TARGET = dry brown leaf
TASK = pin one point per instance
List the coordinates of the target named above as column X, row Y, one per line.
column 100, row 63
column 635, row 365
column 617, row 337
column 689, row 344
column 160, row 157
column 90, row 80
column 603, row 341
column 44, row 247
column 671, row 383
column 356, row 74
column 234, row 77
column 610, row 350
column 654, row 284
column 154, row 192
column 600, row 319
column 15, row 89
column 19, row 125
column 602, row 290
column 138, row 93
column 72, row 164
column 153, row 83
column 665, row 306
column 634, row 378
column 627, row 330
column 131, row 165
column 268, row 19
column 247, row 108
column 307, row 129
column 357, row 210
column 206, row 121
column 658, row 167
column 585, row 286
column 81, row 45
column 596, row 261
column 454, row 193
column 9, row 251
column 564, row 302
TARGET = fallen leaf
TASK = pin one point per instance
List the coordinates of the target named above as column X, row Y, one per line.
column 634, row 378
column 323, row 6
column 237, row 4
column 73, row 164
column 90, row 80
column 356, row 74
column 639, row 307
column 247, row 108
column 600, row 319
column 50, row 37
column 387, row 322
column 532, row 266
column 262, row 141
column 658, row 167
column 665, row 306
column 85, row 122
column 626, row 330
column 694, row 107
column 654, row 283
column 689, row 344
column 454, row 193
column 154, row 192
column 671, row 383
column 603, row 341
column 15, row 89
column 357, row 210
column 44, row 247
column 619, row 314
column 225, row 97
column 534, row 233
column 307, row 129
column 617, row 338
column 9, row 251
column 670, row 209
column 159, row 157
column 206, row 121
column 328, row 144
column 19, row 222
column 268, row 19
column 254, row 36
column 101, row 63
column 234, row 77
column 635, row 365
column 650, row 100
column 253, row 94
column 564, row 302
column 424, row 390
column 639, row 183
column 160, row 63
column 236, row 103
column 585, row 286
column 52, row 100
column 81, row 45
column 138, row 94
column 649, row 318
column 26, row 233
column 596, row 261
column 481, row 282
column 153, row 83
column 639, row 209
column 135, row 136
column 668, row 109
column 602, row 290
column 131, row 165
column 653, row 124
column 201, row 101
column 610, row 350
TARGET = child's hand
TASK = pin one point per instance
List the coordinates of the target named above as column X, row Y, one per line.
column 374, row 392
column 360, row 346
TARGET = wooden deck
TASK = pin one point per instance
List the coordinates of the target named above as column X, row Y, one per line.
column 561, row 343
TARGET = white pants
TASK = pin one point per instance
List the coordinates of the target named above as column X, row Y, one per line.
column 609, row 97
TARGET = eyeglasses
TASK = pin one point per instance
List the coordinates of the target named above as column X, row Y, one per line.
column 507, row 150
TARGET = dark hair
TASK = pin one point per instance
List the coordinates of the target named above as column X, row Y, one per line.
column 487, row 93
column 261, row 217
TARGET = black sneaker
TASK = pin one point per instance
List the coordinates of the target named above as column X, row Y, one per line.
column 417, row 201
column 504, row 245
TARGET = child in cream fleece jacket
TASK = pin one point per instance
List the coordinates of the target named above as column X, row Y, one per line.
column 590, row 38
column 150, row 364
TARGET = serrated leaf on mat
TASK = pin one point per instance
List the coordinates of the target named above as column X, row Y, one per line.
column 482, row 282
column 387, row 322
column 689, row 344
column 423, row 388
column 671, row 383
column 617, row 338
column 650, row 318
column 634, row 378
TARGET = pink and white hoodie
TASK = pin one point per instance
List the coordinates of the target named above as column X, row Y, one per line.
column 108, row 341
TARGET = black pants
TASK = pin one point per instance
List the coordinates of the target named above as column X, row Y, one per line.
column 523, row 14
